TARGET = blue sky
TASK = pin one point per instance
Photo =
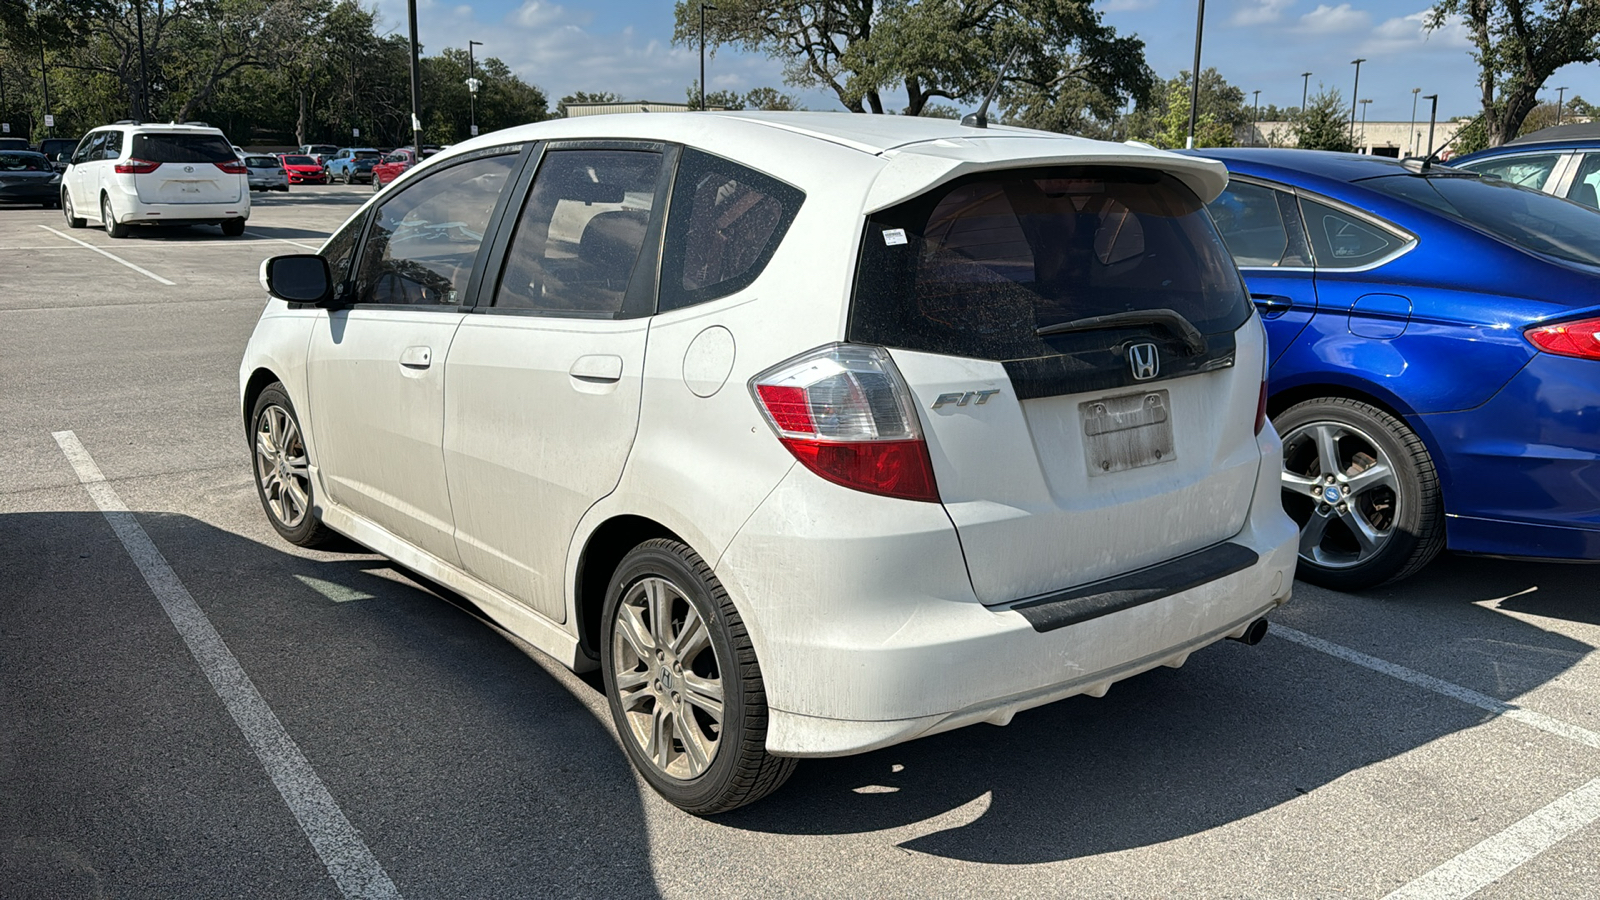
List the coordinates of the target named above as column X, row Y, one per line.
column 626, row 46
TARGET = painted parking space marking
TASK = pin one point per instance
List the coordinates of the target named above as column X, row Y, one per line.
column 351, row 864
column 1439, row 686
column 111, row 256
column 1499, row 855
column 312, row 247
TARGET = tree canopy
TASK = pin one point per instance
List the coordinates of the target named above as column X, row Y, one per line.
column 1324, row 124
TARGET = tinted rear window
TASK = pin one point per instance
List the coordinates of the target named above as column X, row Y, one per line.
column 1521, row 216
column 262, row 162
column 182, row 148
column 23, row 162
column 976, row 267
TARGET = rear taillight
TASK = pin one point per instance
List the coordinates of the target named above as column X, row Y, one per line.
column 1261, row 409
column 136, row 167
column 231, row 168
column 845, row 414
column 1580, row 339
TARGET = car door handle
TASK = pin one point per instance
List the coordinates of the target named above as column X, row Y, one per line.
column 416, row 357
column 597, row 369
column 1272, row 305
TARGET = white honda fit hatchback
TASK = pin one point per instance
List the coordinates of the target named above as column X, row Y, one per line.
column 816, row 432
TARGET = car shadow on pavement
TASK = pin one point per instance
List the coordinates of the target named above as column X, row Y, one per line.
column 1172, row 753
column 468, row 770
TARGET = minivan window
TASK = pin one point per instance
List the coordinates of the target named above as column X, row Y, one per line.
column 182, row 148
column 1521, row 216
column 978, row 266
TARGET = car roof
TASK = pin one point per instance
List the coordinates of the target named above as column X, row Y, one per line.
column 1577, row 131
column 899, row 156
column 1346, row 167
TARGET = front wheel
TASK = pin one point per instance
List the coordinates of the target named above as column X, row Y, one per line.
column 377, row 184
column 283, row 470
column 683, row 684
column 73, row 220
column 1362, row 487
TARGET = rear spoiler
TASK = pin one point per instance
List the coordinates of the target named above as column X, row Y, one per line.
column 914, row 169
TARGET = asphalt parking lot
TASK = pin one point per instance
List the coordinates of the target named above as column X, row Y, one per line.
column 190, row 707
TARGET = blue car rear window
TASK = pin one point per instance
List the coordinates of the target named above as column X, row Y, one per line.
column 1520, row 216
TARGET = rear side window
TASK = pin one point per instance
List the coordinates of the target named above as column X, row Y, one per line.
column 1340, row 240
column 725, row 223
column 113, row 147
column 1520, row 216
column 1527, row 170
column 182, row 148
column 977, row 267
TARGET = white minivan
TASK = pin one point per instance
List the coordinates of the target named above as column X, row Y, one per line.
column 130, row 173
column 815, row 432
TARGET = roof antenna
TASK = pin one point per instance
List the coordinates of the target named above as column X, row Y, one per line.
column 980, row 119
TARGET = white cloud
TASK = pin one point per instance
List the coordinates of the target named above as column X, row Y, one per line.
column 1117, row 6
column 1261, row 13
column 1410, row 34
column 1327, row 19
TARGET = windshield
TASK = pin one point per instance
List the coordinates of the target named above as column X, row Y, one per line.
column 57, row 145
column 23, row 162
column 980, row 266
column 1520, row 216
column 299, row 161
column 182, row 148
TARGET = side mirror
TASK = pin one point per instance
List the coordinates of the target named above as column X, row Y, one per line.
column 299, row 278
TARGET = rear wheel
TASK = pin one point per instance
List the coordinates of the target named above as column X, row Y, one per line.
column 1363, row 489
column 377, row 184
column 283, row 470
column 73, row 220
column 114, row 229
column 683, row 684
column 233, row 227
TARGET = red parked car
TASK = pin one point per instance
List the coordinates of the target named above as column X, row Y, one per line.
column 303, row 169
column 390, row 167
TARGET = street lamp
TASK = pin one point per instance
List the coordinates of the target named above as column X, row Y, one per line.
column 1257, row 115
column 1194, row 88
column 1561, row 100
column 416, row 84
column 472, row 86
column 1305, row 87
column 703, row 8
column 1433, row 114
column 1364, row 122
column 1411, row 136
column 1354, row 93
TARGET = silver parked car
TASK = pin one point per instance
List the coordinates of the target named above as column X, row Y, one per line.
column 266, row 173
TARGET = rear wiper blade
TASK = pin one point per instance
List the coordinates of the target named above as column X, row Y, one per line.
column 1170, row 318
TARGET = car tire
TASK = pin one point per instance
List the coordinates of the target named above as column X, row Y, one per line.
column 233, row 227
column 282, row 468
column 377, row 184
column 66, row 210
column 282, row 187
column 1378, row 516
column 653, row 689
column 114, row 229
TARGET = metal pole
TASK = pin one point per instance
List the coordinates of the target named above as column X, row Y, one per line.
column 44, row 78
column 1354, row 93
column 1561, row 100
column 1433, row 114
column 1364, row 105
column 1305, row 88
column 1257, row 115
column 1194, row 88
column 1411, row 135
column 144, row 78
column 416, row 84
column 703, row 8
column 473, row 91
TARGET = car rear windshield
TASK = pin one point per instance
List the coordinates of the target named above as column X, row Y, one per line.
column 367, row 154
column 182, row 148
column 23, row 162
column 1521, row 216
column 976, row 267
column 262, row 162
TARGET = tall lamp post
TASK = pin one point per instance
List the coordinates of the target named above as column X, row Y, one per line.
column 1305, row 89
column 1364, row 120
column 1561, row 100
column 1194, row 87
column 144, row 78
column 1411, row 136
column 1354, row 93
column 703, row 8
column 472, row 87
column 1433, row 115
column 1257, row 115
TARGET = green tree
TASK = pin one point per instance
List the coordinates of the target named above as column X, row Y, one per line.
column 937, row 50
column 1324, row 124
column 762, row 98
column 1518, row 45
column 1164, row 120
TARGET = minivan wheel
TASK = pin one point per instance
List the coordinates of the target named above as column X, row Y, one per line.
column 233, row 227
column 73, row 221
column 114, row 229
column 683, row 684
column 283, row 470
column 1363, row 490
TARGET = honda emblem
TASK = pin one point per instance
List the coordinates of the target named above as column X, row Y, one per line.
column 1144, row 360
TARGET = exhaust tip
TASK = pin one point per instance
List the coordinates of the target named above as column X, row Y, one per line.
column 1252, row 634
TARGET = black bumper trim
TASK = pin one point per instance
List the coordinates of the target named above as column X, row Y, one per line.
column 1091, row 601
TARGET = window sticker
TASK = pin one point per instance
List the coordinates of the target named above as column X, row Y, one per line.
column 894, row 237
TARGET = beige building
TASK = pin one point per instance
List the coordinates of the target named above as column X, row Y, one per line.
column 629, row 106
column 1398, row 139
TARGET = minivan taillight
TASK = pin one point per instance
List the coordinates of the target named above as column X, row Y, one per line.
column 1580, row 339
column 136, row 167
column 844, row 412
column 231, row 168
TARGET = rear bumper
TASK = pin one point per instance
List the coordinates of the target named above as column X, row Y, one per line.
column 869, row 634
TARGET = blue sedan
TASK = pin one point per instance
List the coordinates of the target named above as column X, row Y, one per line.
column 1435, row 358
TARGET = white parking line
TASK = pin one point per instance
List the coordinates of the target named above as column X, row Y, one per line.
column 355, row 870
column 312, row 247
column 1499, row 855
column 111, row 256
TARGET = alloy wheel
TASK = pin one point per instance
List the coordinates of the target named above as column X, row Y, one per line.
column 1340, row 487
column 668, row 678
column 282, row 468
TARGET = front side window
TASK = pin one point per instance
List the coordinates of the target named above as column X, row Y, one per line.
column 580, row 232
column 1531, row 170
column 341, row 248
column 1251, row 224
column 183, row 148
column 86, row 147
column 1340, row 240
column 425, row 239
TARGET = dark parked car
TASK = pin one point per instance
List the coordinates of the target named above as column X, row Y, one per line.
column 1435, row 346
column 27, row 177
column 9, row 143
column 1564, row 161
column 59, row 150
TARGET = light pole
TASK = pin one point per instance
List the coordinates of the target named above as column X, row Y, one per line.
column 1364, row 123
column 1257, row 118
column 1433, row 114
column 1194, row 88
column 703, row 8
column 1561, row 100
column 144, row 78
column 1305, row 88
column 1354, row 93
column 44, row 79
column 1411, row 135
column 416, row 84
column 472, row 86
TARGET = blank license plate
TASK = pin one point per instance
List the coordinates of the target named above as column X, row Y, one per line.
column 1128, row 432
